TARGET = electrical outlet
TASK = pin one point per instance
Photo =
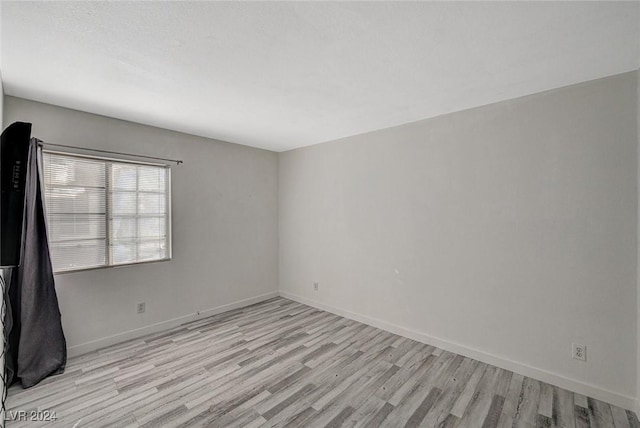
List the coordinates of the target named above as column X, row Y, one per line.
column 141, row 307
column 579, row 352
column 315, row 286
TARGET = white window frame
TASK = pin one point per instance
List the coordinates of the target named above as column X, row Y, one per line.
column 108, row 160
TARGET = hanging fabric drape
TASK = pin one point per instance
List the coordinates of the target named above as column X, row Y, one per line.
column 37, row 346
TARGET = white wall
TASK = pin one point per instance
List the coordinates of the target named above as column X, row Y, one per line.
column 504, row 232
column 225, row 225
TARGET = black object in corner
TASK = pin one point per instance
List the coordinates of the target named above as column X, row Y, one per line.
column 14, row 151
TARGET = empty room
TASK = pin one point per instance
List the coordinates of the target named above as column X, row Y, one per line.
column 320, row 214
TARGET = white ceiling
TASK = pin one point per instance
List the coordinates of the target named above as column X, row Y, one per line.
column 286, row 75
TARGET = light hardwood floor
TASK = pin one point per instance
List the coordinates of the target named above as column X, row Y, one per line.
column 281, row 363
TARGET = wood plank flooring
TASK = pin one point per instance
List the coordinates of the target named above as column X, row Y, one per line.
column 283, row 364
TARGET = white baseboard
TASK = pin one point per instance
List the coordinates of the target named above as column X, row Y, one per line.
column 93, row 345
column 590, row 390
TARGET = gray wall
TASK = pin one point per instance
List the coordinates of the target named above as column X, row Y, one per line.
column 1, row 105
column 507, row 231
column 638, row 310
column 225, row 225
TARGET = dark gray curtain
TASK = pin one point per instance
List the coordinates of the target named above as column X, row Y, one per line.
column 37, row 346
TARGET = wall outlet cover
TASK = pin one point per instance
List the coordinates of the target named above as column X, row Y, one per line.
column 579, row 352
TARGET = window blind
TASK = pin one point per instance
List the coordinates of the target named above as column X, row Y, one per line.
column 105, row 212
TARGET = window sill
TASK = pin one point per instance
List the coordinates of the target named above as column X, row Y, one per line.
column 146, row 262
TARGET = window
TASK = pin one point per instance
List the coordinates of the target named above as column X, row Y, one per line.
column 103, row 212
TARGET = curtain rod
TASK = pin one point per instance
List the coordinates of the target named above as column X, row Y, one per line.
column 177, row 161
